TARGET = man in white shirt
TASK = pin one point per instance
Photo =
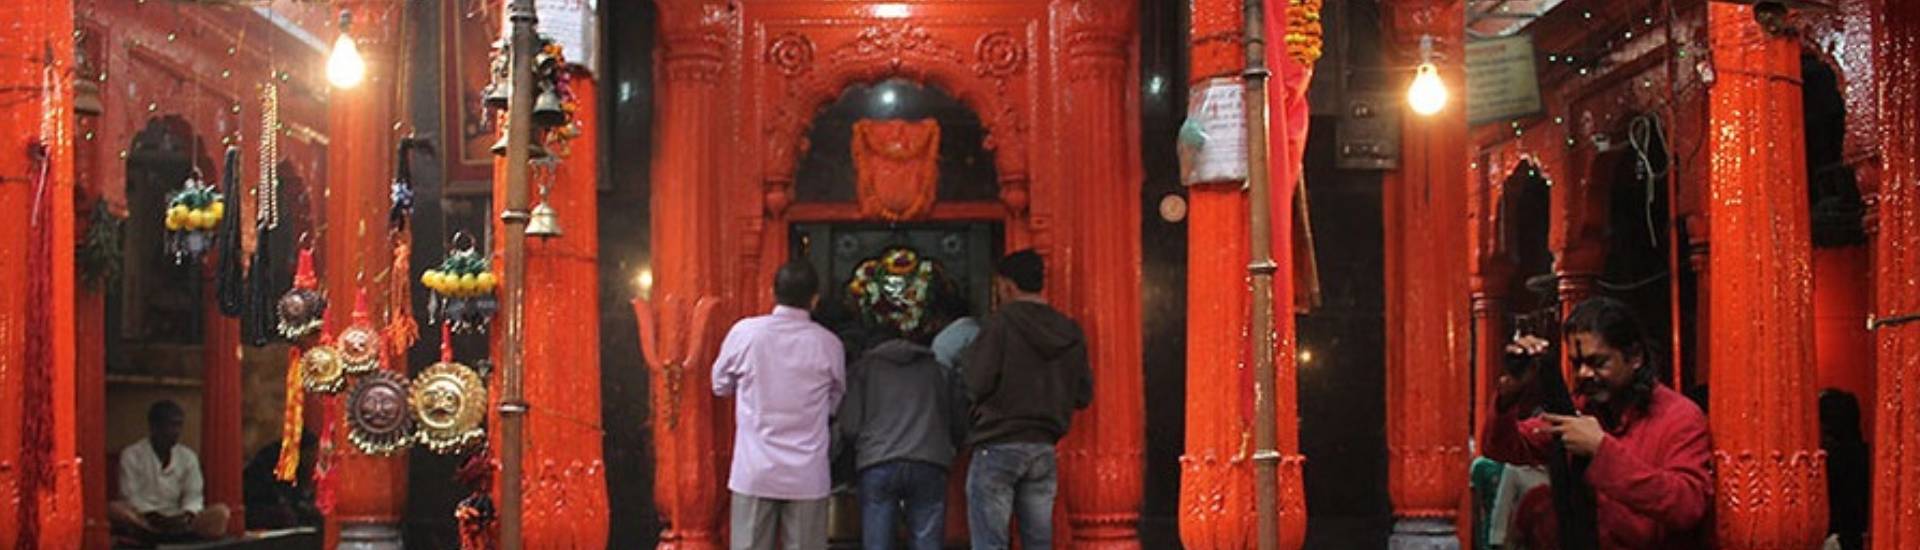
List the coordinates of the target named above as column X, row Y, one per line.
column 161, row 497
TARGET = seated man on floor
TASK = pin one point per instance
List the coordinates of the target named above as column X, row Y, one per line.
column 160, row 486
column 275, row 504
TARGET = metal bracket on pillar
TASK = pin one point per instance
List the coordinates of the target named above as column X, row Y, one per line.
column 1877, row 323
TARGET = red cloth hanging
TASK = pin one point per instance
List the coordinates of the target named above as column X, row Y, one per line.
column 36, row 441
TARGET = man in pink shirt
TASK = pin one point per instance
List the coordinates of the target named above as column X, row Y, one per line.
column 786, row 374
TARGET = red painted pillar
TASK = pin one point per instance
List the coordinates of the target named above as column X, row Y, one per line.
column 1494, row 266
column 90, row 342
column 1427, row 263
column 371, row 490
column 1842, row 345
column 1216, row 483
column 37, row 109
column 1102, row 458
column 689, row 486
column 1896, row 479
column 565, row 487
column 1771, row 490
column 221, row 455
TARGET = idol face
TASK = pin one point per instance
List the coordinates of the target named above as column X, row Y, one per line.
column 1602, row 372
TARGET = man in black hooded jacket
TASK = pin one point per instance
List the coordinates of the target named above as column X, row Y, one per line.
column 1026, row 375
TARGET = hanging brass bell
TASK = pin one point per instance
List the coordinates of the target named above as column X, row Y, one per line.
column 497, row 95
column 543, row 222
column 547, row 111
column 500, row 147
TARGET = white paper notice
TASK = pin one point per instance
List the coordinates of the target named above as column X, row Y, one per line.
column 1219, row 109
column 572, row 23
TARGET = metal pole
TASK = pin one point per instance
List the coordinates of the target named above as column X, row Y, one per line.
column 1266, row 456
column 513, row 407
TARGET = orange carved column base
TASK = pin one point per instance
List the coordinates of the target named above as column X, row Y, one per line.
column 1896, row 443
column 1770, row 473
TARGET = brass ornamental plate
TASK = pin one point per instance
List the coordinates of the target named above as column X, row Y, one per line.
column 379, row 420
column 449, row 403
column 359, row 348
column 321, row 370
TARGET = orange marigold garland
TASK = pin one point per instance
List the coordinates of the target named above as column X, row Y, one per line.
column 1304, row 39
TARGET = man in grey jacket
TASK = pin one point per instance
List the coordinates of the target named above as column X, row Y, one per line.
column 904, row 415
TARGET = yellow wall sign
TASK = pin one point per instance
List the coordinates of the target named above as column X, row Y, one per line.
column 1501, row 82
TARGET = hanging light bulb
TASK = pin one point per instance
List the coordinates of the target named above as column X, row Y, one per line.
column 344, row 66
column 1428, row 94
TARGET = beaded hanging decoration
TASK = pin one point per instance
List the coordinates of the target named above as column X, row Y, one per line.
column 192, row 214
column 462, row 288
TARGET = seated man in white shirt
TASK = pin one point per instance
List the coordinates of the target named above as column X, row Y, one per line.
column 160, row 486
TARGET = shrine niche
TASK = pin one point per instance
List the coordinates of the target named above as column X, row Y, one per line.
column 893, row 151
column 757, row 108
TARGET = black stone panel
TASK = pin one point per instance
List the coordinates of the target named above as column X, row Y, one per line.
column 625, row 248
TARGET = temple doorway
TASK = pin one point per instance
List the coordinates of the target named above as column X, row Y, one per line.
column 888, row 173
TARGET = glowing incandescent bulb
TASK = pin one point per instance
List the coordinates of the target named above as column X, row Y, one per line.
column 344, row 66
column 1428, row 94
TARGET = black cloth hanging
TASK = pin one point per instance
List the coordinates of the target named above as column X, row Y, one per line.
column 257, row 322
column 227, row 270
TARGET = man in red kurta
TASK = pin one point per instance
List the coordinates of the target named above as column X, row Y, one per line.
column 1648, row 444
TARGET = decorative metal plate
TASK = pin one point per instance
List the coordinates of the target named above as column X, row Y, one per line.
column 359, row 348
column 321, row 370
column 449, row 403
column 379, row 419
column 301, row 312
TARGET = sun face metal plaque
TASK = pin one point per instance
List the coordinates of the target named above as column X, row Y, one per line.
column 301, row 313
column 449, row 403
column 321, row 370
column 359, row 349
column 379, row 420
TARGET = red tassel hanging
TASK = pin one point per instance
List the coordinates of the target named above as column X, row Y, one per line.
column 323, row 474
column 401, row 331
column 293, row 422
column 36, row 442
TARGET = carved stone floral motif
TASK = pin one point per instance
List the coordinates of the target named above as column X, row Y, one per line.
column 893, row 43
column 791, row 53
column 997, row 54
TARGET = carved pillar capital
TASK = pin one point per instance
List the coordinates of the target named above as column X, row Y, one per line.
column 1099, row 36
column 694, row 37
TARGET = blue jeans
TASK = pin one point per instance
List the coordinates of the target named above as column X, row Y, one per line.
column 1006, row 479
column 918, row 487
